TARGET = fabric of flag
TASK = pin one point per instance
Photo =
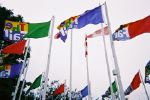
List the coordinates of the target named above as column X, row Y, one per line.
column 10, row 71
column 38, row 30
column 35, row 84
column 86, row 46
column 108, row 92
column 15, row 48
column 98, row 32
column 59, row 90
column 84, row 92
column 132, row 29
column 67, row 24
column 134, row 84
column 147, row 73
column 14, row 31
column 93, row 16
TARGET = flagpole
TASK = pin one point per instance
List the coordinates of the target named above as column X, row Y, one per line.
column 48, row 60
column 19, row 79
column 121, row 91
column 24, row 80
column 144, row 86
column 107, row 63
column 71, row 35
column 87, row 68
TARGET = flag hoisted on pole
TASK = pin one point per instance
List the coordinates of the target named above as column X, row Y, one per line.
column 48, row 60
column 88, row 78
column 121, row 91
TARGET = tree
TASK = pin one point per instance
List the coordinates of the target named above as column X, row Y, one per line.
column 7, row 85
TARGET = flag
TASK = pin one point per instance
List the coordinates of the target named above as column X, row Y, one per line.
column 10, row 71
column 93, row 16
column 59, row 90
column 38, row 30
column 147, row 73
column 132, row 29
column 16, row 31
column 84, row 92
column 134, row 84
column 64, row 27
column 15, row 48
column 98, row 32
column 86, row 46
column 108, row 92
column 35, row 84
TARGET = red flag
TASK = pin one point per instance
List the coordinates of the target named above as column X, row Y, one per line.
column 59, row 90
column 132, row 29
column 139, row 27
column 98, row 32
column 136, row 81
column 15, row 48
column 57, row 36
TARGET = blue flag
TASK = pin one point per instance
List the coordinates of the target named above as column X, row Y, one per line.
column 93, row 16
column 10, row 71
column 84, row 92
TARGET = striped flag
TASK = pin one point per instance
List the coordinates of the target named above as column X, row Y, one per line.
column 99, row 32
column 86, row 46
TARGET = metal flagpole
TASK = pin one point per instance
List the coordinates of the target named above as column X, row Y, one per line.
column 70, row 64
column 144, row 86
column 88, row 79
column 19, row 79
column 121, row 91
column 107, row 63
column 48, row 60
column 23, row 80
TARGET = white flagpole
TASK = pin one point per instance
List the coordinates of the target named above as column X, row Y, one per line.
column 107, row 63
column 87, row 68
column 144, row 86
column 23, row 80
column 48, row 60
column 71, row 35
column 19, row 79
column 121, row 91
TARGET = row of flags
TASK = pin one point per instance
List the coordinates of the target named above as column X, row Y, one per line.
column 16, row 32
column 135, row 83
column 19, row 31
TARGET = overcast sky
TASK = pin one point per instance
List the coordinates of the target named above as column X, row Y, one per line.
column 132, row 55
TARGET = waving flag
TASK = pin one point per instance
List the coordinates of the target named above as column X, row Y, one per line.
column 133, row 29
column 16, row 31
column 134, row 84
column 98, row 33
column 108, row 92
column 59, row 90
column 38, row 30
column 35, row 84
column 147, row 73
column 84, row 92
column 15, row 48
column 93, row 16
column 10, row 71
column 64, row 27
